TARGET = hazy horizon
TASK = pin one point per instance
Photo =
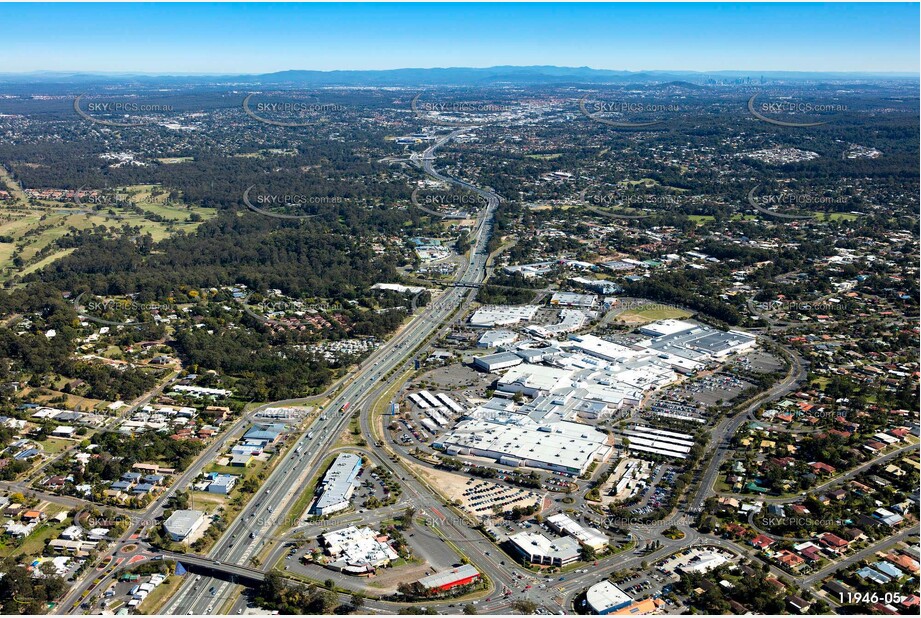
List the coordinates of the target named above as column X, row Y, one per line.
column 234, row 39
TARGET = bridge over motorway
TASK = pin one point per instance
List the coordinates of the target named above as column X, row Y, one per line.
column 213, row 568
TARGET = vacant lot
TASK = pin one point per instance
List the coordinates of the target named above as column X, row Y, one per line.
column 652, row 313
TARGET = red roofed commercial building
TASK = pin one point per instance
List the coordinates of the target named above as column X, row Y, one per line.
column 459, row 576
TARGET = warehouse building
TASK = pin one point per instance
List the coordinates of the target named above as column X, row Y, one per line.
column 183, row 524
column 338, row 484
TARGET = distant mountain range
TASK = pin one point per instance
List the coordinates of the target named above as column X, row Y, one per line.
column 455, row 76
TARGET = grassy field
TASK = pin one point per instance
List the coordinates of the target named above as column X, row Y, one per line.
column 33, row 229
column 836, row 216
column 544, row 157
column 155, row 600
column 653, row 313
column 34, row 544
column 53, row 446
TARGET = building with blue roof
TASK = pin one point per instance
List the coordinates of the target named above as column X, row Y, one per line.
column 873, row 575
column 888, row 569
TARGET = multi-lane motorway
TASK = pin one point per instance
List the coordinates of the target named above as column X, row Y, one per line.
column 260, row 523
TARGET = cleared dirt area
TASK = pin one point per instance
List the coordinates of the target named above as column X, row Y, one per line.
column 455, row 486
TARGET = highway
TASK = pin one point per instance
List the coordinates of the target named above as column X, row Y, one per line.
column 258, row 524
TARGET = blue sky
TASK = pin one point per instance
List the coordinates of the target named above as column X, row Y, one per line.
column 258, row 38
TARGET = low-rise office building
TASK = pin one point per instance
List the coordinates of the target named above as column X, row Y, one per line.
column 541, row 550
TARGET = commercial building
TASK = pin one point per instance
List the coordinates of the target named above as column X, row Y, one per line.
column 703, row 562
column 222, row 483
column 338, row 484
column 541, row 550
column 496, row 338
column 264, row 433
column 697, row 343
column 184, row 523
column 516, row 440
column 458, row 576
column 503, row 315
column 571, row 299
column 659, row 441
column 496, row 362
column 606, row 598
column 666, row 327
column 587, row 537
column 199, row 391
column 357, row 550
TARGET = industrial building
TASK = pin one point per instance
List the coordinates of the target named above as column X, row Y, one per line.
column 184, row 523
column 337, row 485
column 458, row 576
column 541, row 550
column 606, row 598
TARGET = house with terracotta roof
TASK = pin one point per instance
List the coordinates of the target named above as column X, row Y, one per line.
column 790, row 560
column 762, row 542
column 833, row 542
column 735, row 530
column 904, row 562
column 33, row 516
column 820, row 467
